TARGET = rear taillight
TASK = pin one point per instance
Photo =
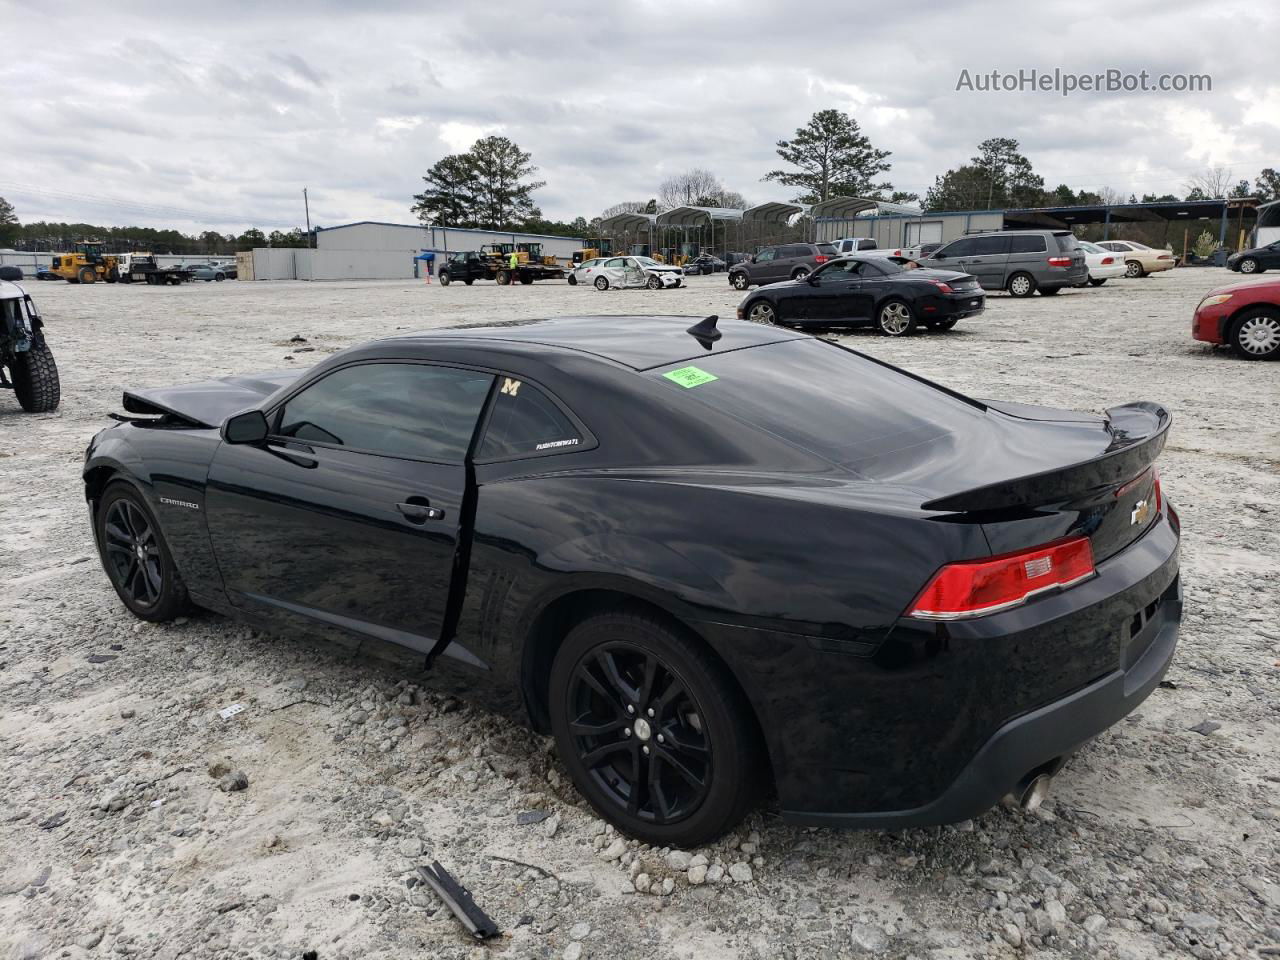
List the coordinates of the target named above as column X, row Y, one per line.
column 1165, row 256
column 1159, row 494
column 821, row 258
column 1059, row 261
column 944, row 287
column 1106, row 260
column 975, row 588
column 896, row 253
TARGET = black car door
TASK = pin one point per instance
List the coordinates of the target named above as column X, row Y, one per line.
column 349, row 514
column 837, row 296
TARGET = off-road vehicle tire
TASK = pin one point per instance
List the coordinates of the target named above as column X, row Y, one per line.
column 35, row 378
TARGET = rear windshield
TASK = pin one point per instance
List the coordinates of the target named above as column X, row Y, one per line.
column 826, row 248
column 849, row 410
column 1066, row 242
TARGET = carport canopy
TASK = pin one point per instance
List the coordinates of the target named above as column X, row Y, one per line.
column 1061, row 218
column 771, row 212
column 846, row 208
column 627, row 223
column 696, row 216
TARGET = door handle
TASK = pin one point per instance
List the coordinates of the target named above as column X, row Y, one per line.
column 298, row 454
column 419, row 510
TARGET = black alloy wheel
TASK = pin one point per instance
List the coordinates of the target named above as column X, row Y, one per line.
column 739, row 280
column 652, row 730
column 136, row 556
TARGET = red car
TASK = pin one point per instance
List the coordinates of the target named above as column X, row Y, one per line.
column 1245, row 316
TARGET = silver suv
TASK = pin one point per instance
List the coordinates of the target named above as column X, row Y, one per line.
column 1020, row 261
column 786, row 261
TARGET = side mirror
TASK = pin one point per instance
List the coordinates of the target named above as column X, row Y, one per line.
column 753, row 258
column 935, row 256
column 248, row 427
column 813, row 280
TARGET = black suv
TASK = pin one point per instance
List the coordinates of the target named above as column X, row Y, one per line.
column 787, row 261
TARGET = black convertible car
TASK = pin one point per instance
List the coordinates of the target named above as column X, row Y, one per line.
column 886, row 292
column 711, row 559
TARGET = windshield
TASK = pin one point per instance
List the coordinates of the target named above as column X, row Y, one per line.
column 649, row 262
column 831, row 402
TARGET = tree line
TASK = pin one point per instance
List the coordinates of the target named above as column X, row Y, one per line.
column 491, row 185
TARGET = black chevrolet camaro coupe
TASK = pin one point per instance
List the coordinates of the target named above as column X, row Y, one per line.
column 883, row 292
column 711, row 560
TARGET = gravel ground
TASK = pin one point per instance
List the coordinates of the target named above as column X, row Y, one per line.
column 123, row 831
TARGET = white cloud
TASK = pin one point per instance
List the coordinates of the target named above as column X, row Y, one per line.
column 227, row 123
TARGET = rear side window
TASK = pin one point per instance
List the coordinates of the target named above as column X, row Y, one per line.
column 960, row 248
column 826, row 249
column 1028, row 243
column 1066, row 242
column 987, row 246
column 832, row 403
column 524, row 422
column 408, row 410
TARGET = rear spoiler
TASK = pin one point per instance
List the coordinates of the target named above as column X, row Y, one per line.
column 1138, row 434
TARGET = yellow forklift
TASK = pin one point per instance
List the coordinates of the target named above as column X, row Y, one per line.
column 87, row 264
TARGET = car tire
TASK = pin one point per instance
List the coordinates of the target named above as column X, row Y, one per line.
column 1255, row 334
column 35, row 378
column 1097, row 282
column 653, row 283
column 617, row 667
column 762, row 312
column 444, row 278
column 86, row 275
column 1021, row 285
column 1050, row 291
column 940, row 326
column 1249, row 265
column 219, row 277
column 127, row 534
column 113, row 275
column 602, row 283
column 526, row 280
column 469, row 281
column 503, row 278
column 895, row 318
column 573, row 281
column 739, row 281
column 800, row 273
column 1133, row 269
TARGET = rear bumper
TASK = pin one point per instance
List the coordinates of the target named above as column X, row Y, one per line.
column 935, row 722
column 1040, row 739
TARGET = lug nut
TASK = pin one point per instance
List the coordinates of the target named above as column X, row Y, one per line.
column 626, row 732
column 646, row 750
column 661, row 739
column 651, row 711
column 630, row 708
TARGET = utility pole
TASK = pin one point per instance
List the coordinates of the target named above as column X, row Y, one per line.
column 307, row 205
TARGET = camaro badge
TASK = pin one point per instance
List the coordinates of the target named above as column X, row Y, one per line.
column 510, row 386
column 1141, row 510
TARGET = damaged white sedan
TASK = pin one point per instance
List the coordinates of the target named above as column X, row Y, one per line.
column 623, row 272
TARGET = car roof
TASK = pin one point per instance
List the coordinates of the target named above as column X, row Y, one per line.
column 639, row 342
column 11, row 291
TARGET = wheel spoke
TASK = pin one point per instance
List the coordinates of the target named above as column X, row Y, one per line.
column 152, row 576
column 609, row 665
column 591, row 680
column 650, row 674
column 675, row 690
column 117, row 532
column 676, row 764
column 584, row 728
column 639, row 781
column 592, row 758
column 675, row 741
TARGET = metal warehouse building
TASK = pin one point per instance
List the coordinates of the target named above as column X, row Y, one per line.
column 372, row 250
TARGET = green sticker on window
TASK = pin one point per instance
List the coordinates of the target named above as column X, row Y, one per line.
column 690, row 376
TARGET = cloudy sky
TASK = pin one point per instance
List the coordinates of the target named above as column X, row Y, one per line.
column 215, row 116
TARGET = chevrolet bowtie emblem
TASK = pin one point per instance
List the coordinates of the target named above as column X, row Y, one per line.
column 1141, row 510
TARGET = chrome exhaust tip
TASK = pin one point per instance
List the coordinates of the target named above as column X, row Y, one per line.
column 1035, row 792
